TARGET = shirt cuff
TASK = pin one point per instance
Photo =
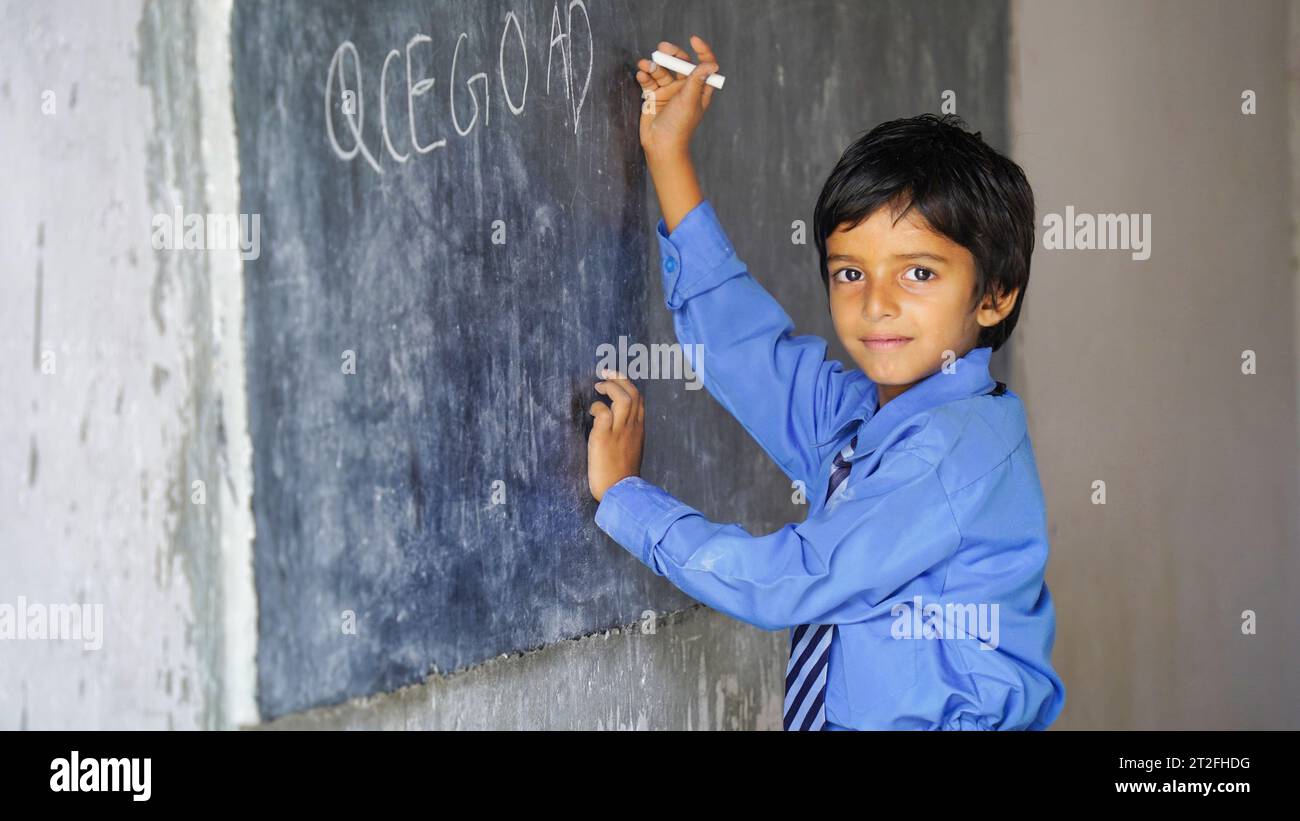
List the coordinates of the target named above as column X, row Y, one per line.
column 696, row 256
column 636, row 514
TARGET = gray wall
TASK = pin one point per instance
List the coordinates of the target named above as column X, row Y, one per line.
column 1130, row 372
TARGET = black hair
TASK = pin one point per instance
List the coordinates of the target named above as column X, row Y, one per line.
column 968, row 192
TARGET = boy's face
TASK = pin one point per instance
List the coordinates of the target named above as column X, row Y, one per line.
column 904, row 280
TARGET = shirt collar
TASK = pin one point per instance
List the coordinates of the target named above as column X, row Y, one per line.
column 969, row 377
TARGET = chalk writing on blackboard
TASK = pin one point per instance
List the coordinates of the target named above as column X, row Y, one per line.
column 344, row 89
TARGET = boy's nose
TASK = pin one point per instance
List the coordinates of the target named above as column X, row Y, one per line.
column 878, row 302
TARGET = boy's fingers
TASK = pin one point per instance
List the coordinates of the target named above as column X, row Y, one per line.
column 604, row 417
column 635, row 404
column 703, row 52
column 695, row 85
column 708, row 95
column 613, row 392
column 662, row 94
column 646, row 82
column 668, row 48
column 622, row 381
column 620, row 399
column 645, row 74
column 658, row 73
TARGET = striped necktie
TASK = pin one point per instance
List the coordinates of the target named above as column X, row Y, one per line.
column 810, row 646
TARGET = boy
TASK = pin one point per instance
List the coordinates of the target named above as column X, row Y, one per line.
column 913, row 590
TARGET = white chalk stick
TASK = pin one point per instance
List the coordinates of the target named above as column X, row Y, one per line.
column 683, row 67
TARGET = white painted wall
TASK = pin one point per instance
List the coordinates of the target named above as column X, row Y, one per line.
column 95, row 492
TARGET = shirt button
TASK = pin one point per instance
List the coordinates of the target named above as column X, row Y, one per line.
column 670, row 265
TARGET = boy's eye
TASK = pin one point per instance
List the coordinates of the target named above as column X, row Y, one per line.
column 854, row 275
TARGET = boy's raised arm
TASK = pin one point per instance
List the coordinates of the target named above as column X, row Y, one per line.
column 779, row 385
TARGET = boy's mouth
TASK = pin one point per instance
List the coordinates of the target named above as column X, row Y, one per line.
column 884, row 342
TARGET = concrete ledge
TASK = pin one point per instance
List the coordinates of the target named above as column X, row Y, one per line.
column 699, row 670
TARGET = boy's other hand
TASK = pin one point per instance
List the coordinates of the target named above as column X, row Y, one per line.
column 672, row 106
column 617, row 435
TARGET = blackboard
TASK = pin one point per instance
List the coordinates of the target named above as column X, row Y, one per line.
column 470, row 286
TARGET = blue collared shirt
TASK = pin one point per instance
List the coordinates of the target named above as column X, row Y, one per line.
column 929, row 560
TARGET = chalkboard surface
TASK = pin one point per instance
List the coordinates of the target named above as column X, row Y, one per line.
column 455, row 218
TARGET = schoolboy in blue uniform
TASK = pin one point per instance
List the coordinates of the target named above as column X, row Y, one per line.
column 913, row 591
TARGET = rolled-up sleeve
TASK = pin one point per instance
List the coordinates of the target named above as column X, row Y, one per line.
column 779, row 385
column 885, row 530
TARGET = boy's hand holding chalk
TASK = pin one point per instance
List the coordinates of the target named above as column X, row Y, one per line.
column 673, row 106
column 684, row 68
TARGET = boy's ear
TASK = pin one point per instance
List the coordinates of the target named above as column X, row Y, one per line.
column 996, row 306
